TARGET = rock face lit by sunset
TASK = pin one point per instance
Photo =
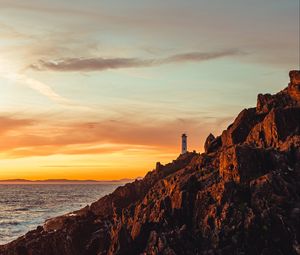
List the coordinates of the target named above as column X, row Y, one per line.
column 103, row 90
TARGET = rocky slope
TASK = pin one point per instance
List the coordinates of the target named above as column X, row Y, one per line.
column 242, row 196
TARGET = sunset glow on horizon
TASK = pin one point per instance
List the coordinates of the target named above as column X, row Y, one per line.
column 100, row 90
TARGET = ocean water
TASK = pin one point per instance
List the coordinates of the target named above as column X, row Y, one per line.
column 25, row 206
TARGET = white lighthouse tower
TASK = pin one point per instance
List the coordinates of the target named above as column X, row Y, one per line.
column 183, row 144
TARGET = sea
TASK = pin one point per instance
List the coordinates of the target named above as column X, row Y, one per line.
column 23, row 207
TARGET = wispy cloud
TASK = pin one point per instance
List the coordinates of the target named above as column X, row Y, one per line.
column 36, row 85
column 101, row 64
column 200, row 56
column 42, row 88
column 46, row 90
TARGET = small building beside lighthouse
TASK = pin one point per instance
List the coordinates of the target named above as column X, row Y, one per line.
column 183, row 144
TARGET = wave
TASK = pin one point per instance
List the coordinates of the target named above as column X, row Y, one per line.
column 9, row 223
column 24, row 207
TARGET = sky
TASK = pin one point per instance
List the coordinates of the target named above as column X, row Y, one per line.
column 103, row 90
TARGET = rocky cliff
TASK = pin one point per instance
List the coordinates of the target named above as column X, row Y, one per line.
column 242, row 196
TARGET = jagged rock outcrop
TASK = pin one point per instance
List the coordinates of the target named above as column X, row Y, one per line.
column 208, row 142
column 212, row 143
column 294, row 86
column 242, row 196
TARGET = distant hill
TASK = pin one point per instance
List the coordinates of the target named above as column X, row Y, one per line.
column 58, row 181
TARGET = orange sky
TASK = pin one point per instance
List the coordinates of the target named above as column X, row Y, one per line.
column 43, row 148
column 104, row 89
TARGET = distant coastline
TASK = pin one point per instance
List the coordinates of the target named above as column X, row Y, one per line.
column 64, row 181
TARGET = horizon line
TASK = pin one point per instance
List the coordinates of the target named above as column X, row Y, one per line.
column 15, row 181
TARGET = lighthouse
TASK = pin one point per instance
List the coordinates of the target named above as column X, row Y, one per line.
column 183, row 144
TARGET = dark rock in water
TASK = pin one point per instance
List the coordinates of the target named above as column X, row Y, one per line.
column 242, row 196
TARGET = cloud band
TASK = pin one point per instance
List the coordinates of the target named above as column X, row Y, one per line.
column 101, row 64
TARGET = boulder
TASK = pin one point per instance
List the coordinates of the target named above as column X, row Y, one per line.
column 294, row 86
column 295, row 77
column 208, row 141
column 212, row 144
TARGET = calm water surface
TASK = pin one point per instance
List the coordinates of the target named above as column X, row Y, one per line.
column 25, row 206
